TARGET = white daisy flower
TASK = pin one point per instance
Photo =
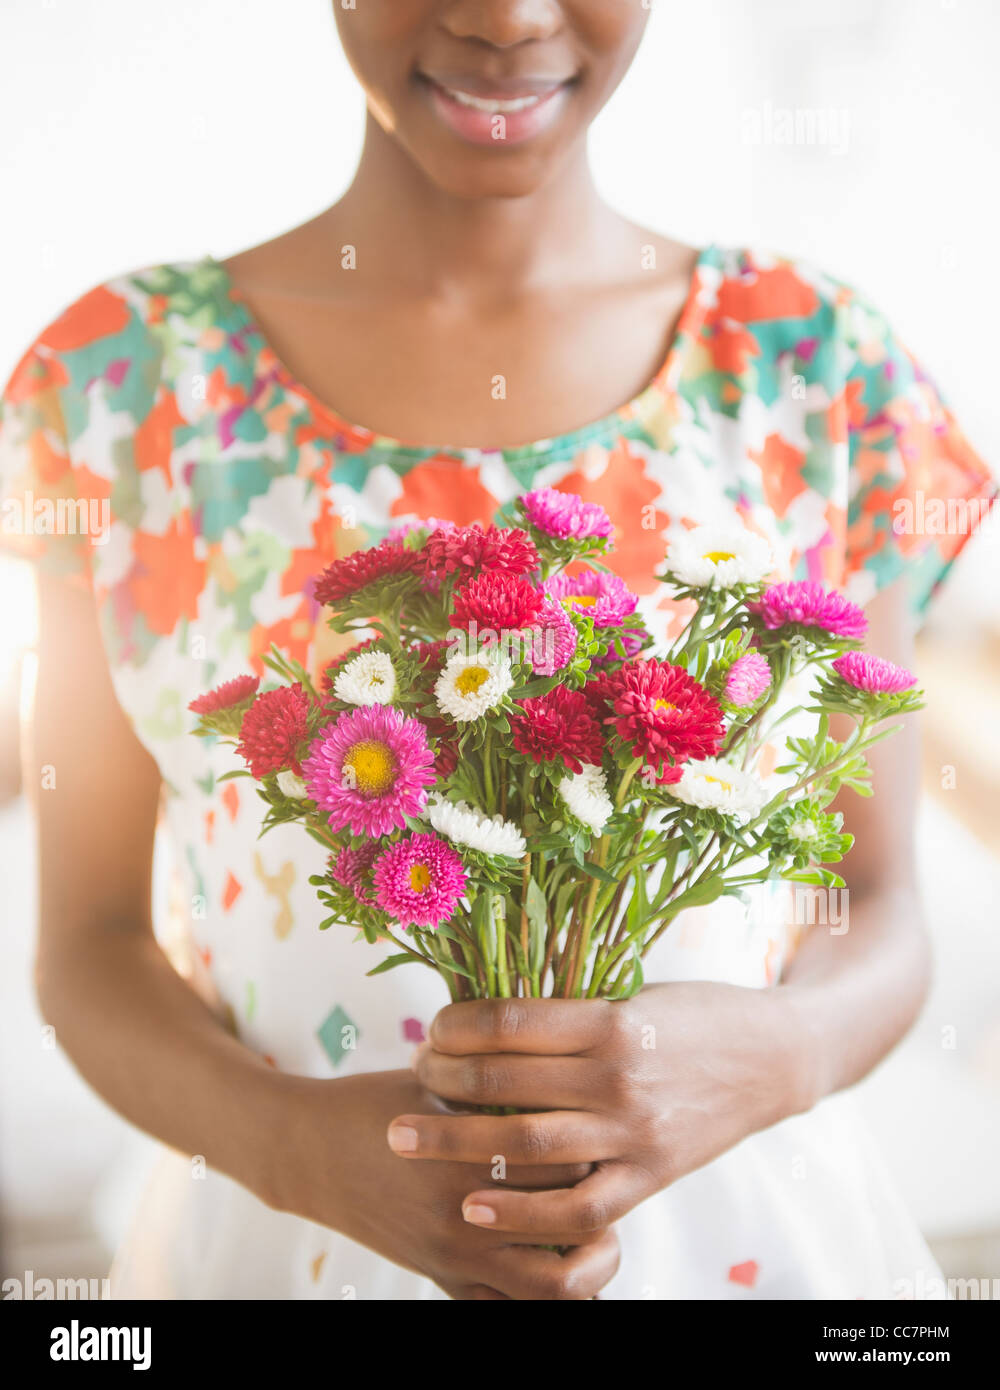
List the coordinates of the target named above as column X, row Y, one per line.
column 369, row 679
column 586, row 795
column 470, row 685
column 719, row 557
column 465, row 825
column 290, row 784
column 714, row 785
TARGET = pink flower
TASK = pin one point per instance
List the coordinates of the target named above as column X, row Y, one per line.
column 369, row 770
column 226, row 695
column 464, row 550
column 351, row 867
column 399, row 534
column 550, row 640
column 604, row 597
column 419, row 881
column 873, row 674
column 748, row 678
column 808, row 604
column 566, row 516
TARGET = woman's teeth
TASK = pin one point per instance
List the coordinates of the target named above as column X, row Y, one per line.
column 493, row 105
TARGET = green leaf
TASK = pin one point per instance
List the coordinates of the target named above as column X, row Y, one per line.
column 390, row 963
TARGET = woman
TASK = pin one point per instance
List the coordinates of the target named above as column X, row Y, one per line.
column 469, row 293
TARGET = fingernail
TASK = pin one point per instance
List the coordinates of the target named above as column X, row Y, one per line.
column 402, row 1139
column 479, row 1216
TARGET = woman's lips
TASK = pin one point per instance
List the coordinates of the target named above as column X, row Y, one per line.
column 508, row 117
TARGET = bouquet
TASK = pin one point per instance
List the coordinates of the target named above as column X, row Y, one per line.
column 514, row 788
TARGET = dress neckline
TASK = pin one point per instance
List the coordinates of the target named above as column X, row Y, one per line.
column 620, row 421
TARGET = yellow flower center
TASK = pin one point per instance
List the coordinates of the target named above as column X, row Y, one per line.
column 726, row 786
column 663, row 704
column 371, row 767
column 579, row 600
column 420, row 878
column 716, row 556
column 472, row 679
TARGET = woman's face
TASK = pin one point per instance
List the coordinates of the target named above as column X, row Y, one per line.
column 488, row 96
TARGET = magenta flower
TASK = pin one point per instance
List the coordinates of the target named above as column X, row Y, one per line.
column 604, row 597
column 419, row 881
column 808, row 604
column 550, row 641
column 369, row 770
column 873, row 674
column 351, row 867
column 566, row 516
column 748, row 678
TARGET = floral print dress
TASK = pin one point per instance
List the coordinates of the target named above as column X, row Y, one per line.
column 154, row 448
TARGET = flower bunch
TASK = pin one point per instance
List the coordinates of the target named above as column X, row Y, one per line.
column 514, row 788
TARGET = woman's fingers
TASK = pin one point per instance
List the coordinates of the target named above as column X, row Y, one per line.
column 531, row 1083
column 548, row 1137
column 526, row 1274
column 573, row 1212
column 546, row 1027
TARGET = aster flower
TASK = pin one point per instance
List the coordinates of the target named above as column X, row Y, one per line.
column 465, row 825
column 746, row 680
column 274, row 729
column 550, row 641
column 368, row 679
column 464, row 550
column 348, row 576
column 718, row 557
column 715, row 785
column 603, row 597
column 806, row 834
column 873, row 674
column 369, row 770
column 806, row 603
column 558, row 726
column 470, row 686
column 336, row 664
column 663, row 715
column 419, row 881
column 498, row 601
column 586, row 794
column 226, row 695
column 351, row 870
column 290, row 784
column 565, row 516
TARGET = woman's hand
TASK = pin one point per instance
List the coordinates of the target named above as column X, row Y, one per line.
column 647, row 1089
column 336, row 1170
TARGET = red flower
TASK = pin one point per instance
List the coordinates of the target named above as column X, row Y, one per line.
column 497, row 601
column 470, row 548
column 560, row 724
column 664, row 715
column 274, row 729
column 355, row 572
column 441, row 732
column 226, row 695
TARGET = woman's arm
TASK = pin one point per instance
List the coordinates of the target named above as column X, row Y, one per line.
column 145, row 1041
column 658, row 1086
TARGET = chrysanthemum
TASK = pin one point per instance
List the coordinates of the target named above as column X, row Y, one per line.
column 501, row 602
column 718, row 557
column 274, row 729
column 664, row 715
column 550, row 641
column 419, row 881
column 604, row 597
column 807, row 604
column 466, row 549
column 348, row 576
column 226, row 695
column 465, row 825
column 469, row 686
column 352, row 869
column 337, row 663
column 873, row 674
column 559, row 726
column 747, row 679
column 369, row 679
column 566, row 516
column 715, row 785
column 369, row 769
column 586, row 794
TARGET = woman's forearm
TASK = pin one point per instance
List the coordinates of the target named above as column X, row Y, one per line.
column 145, row 1041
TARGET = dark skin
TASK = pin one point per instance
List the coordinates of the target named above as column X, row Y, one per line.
column 485, row 260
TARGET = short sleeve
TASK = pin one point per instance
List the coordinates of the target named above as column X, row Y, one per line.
column 917, row 490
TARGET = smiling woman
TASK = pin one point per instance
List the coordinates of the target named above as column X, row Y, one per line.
column 469, row 323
